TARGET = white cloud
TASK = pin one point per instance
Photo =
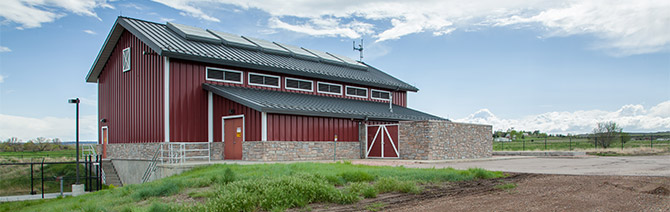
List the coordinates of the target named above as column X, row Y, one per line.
column 27, row 128
column 624, row 27
column 2, row 79
column 630, row 117
column 188, row 8
column 5, row 49
column 325, row 27
column 88, row 31
column 33, row 13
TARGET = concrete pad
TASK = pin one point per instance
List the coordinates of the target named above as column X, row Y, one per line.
column 539, row 153
column 32, row 197
column 624, row 166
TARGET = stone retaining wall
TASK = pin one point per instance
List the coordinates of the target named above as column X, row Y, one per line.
column 298, row 150
column 441, row 140
column 145, row 151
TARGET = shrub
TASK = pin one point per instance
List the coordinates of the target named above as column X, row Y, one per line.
column 356, row 176
column 483, row 174
column 362, row 188
column 277, row 193
column 387, row 184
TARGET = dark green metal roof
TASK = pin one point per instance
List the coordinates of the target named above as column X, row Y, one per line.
column 313, row 105
column 169, row 43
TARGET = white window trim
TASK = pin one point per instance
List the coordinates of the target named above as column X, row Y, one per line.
column 326, row 92
column 349, row 86
column 373, row 90
column 123, row 55
column 311, row 89
column 264, row 85
column 224, row 75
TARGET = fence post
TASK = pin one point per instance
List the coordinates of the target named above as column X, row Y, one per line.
column 502, row 143
column 651, row 141
column 42, row 173
column 595, row 144
column 621, row 142
column 32, row 189
column 570, row 143
column 524, row 145
column 545, row 143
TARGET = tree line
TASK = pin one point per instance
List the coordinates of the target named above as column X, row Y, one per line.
column 38, row 144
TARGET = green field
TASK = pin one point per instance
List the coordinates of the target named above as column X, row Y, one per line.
column 261, row 187
column 70, row 153
column 566, row 143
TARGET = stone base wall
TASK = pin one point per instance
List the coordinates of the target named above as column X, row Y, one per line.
column 298, row 150
column 441, row 140
column 145, row 151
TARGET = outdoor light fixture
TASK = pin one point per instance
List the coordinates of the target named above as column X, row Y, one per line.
column 76, row 101
column 231, row 111
column 103, row 120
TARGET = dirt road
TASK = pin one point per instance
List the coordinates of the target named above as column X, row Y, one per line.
column 533, row 192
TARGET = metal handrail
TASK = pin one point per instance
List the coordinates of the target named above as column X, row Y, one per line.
column 175, row 152
column 152, row 165
column 92, row 151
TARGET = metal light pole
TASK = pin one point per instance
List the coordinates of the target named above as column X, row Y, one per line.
column 76, row 101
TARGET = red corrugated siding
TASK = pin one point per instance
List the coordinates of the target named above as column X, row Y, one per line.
column 252, row 118
column 283, row 127
column 400, row 98
column 132, row 102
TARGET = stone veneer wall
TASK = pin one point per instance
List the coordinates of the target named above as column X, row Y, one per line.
column 298, row 150
column 440, row 140
column 144, row 151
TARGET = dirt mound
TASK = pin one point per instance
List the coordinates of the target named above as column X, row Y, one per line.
column 660, row 191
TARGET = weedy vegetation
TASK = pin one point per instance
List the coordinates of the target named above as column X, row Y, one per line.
column 260, row 187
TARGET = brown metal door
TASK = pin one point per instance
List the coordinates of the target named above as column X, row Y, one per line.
column 233, row 136
column 104, row 142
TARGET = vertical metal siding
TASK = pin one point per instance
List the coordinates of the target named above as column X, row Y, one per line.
column 131, row 102
column 282, row 127
column 252, row 118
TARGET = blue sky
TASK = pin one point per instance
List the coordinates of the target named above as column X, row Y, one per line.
column 554, row 66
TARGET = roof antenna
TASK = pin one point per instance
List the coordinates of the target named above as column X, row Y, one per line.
column 360, row 49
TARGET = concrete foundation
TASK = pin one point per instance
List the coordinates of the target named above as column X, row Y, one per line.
column 77, row 189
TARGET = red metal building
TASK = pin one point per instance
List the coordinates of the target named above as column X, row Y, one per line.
column 171, row 83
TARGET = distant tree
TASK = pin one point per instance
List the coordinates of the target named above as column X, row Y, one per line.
column 542, row 135
column 12, row 144
column 29, row 146
column 536, row 132
column 57, row 144
column 41, row 143
column 606, row 133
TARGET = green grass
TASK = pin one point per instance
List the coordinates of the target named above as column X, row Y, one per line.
column 506, row 186
column 70, row 153
column 267, row 187
column 558, row 143
column 15, row 179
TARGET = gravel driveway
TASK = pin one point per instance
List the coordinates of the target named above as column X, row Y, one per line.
column 586, row 165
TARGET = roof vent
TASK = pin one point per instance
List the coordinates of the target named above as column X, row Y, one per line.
column 193, row 33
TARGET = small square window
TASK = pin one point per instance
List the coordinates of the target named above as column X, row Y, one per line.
column 126, row 59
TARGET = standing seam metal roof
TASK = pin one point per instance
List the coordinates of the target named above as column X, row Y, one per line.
column 168, row 43
column 313, row 105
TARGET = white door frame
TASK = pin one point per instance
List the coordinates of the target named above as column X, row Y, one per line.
column 223, row 127
column 105, row 139
column 381, row 129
